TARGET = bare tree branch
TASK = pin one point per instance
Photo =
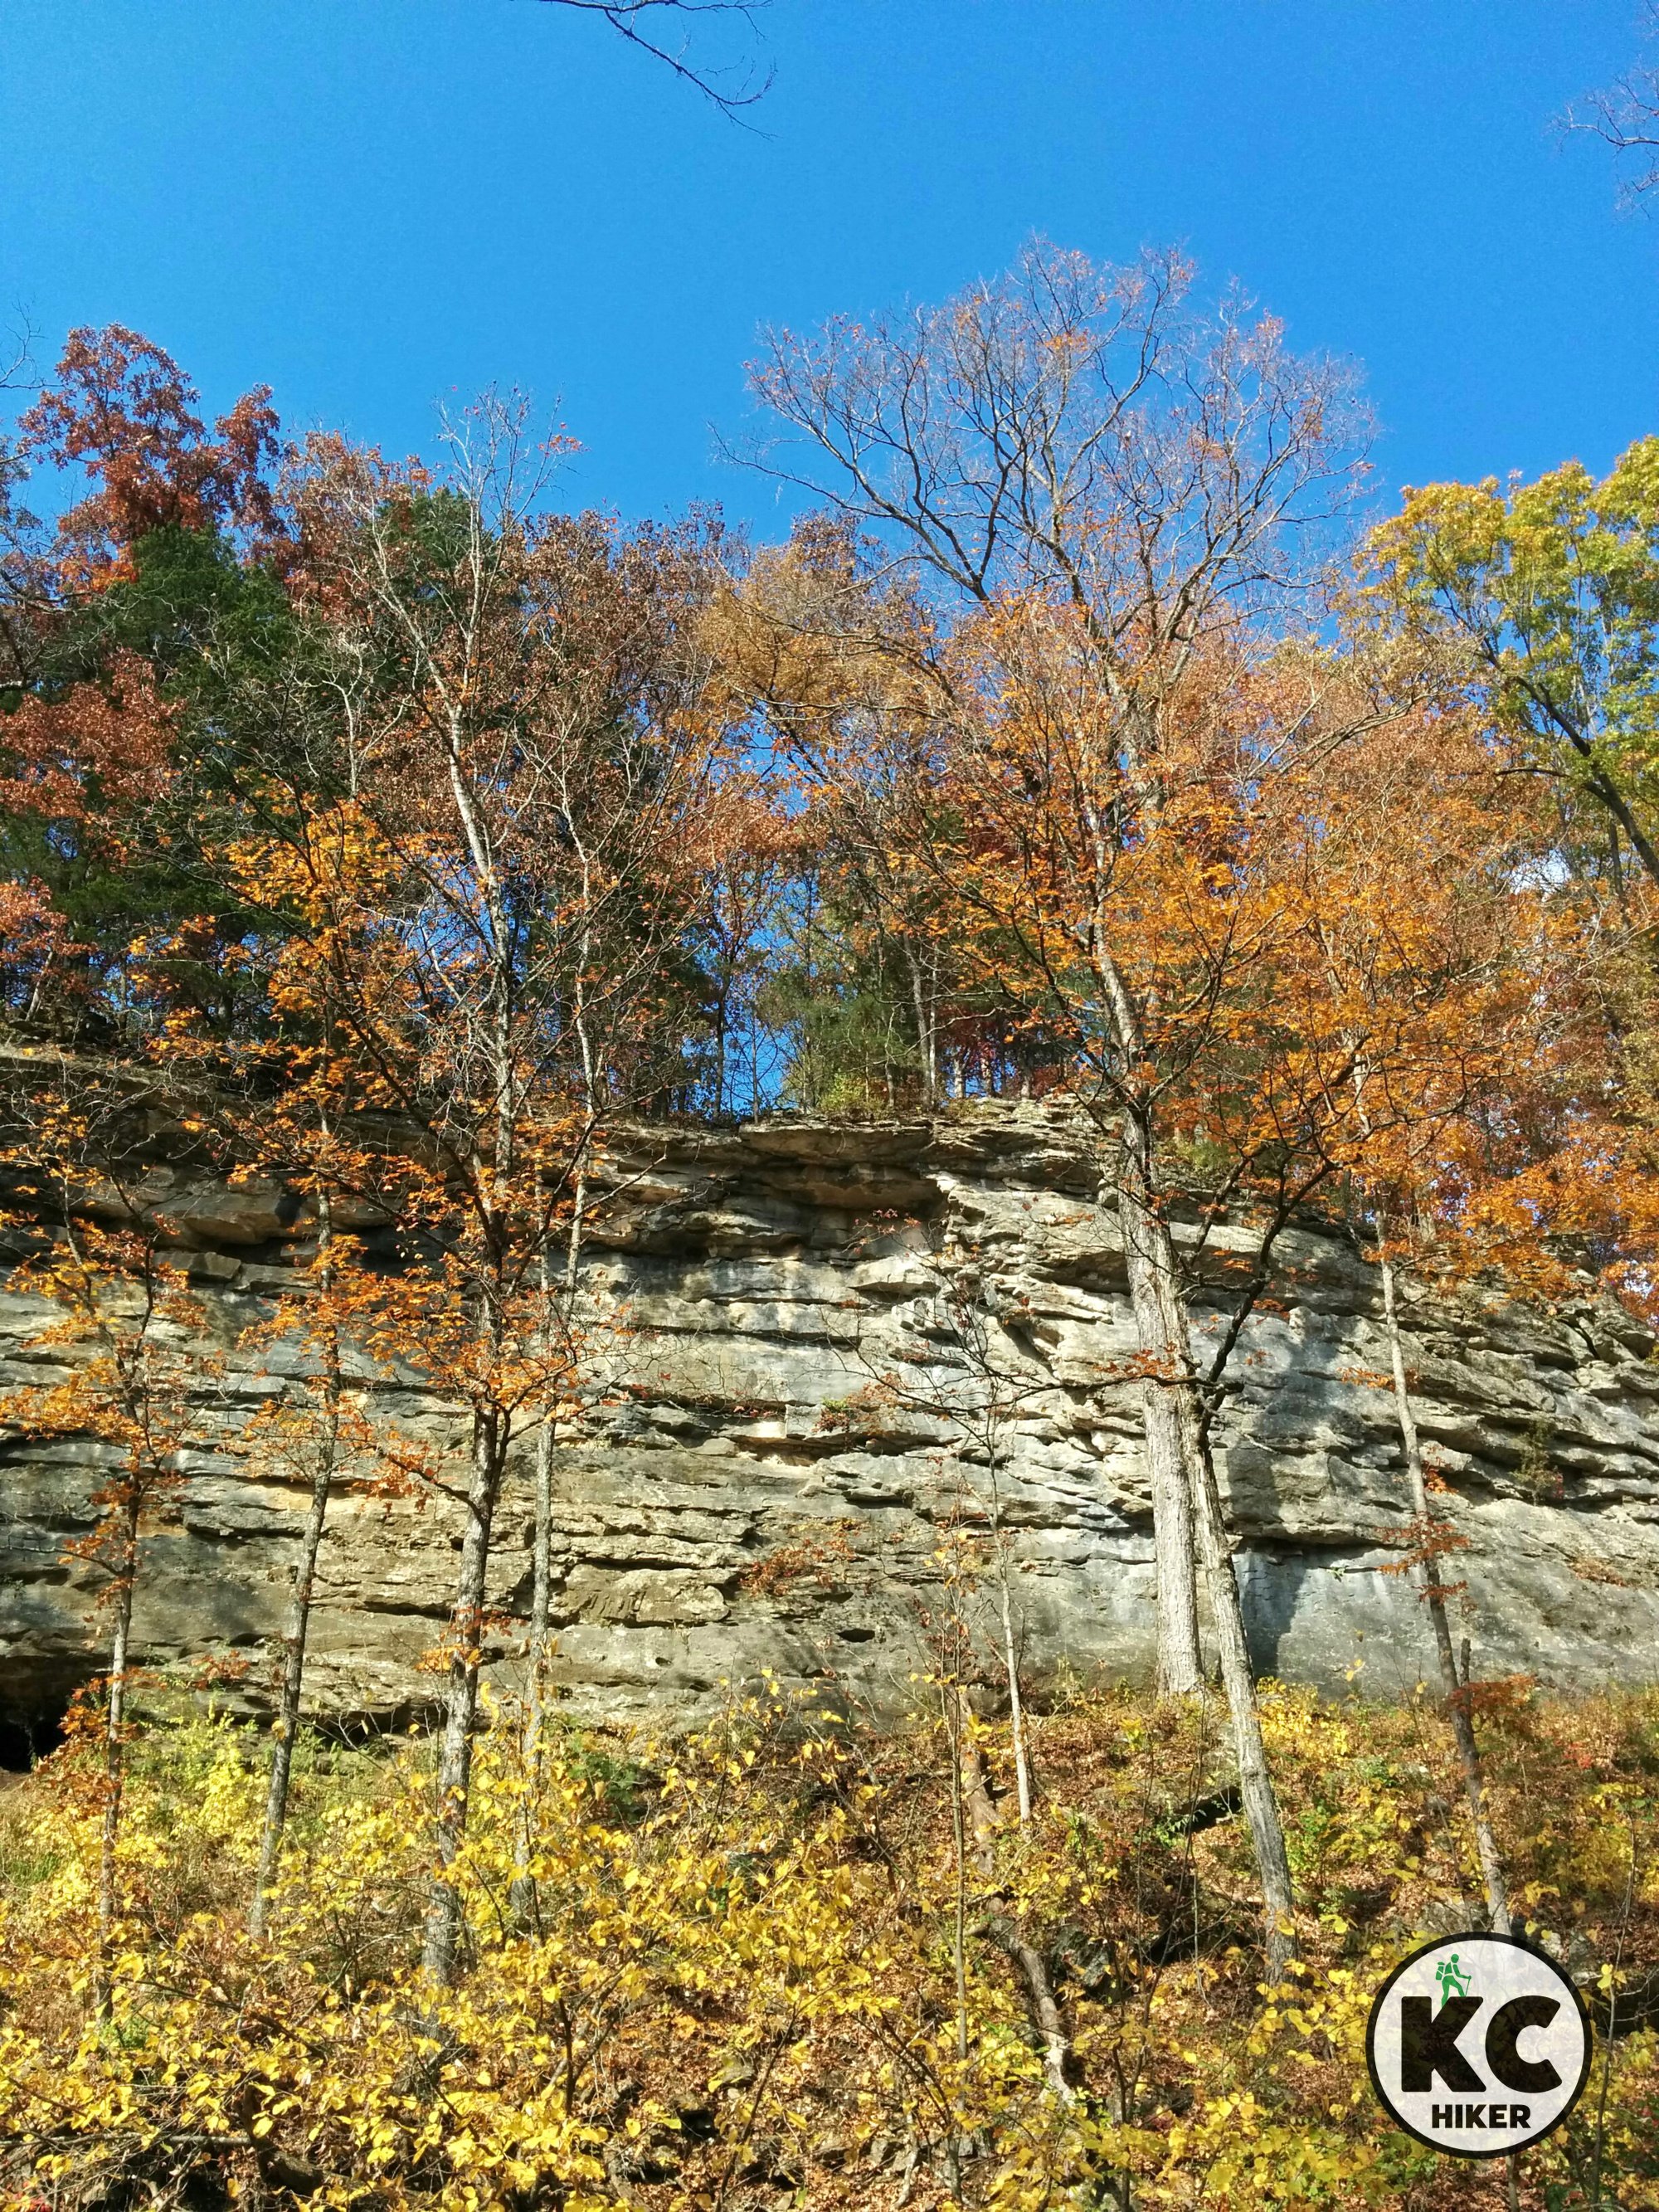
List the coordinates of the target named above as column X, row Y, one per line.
column 1625, row 115
column 17, row 358
column 730, row 87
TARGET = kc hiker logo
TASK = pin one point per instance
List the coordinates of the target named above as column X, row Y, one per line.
column 1477, row 2045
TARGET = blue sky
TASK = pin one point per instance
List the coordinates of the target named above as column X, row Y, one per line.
column 372, row 204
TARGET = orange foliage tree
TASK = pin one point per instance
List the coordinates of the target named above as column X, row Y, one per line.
column 1144, row 947
column 1445, row 977
column 475, row 907
column 125, row 1374
column 1082, row 438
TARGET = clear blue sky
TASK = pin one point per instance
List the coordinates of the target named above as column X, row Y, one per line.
column 371, row 204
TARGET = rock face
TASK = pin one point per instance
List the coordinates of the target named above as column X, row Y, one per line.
column 792, row 1440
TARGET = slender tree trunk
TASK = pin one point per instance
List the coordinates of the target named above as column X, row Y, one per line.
column 1180, row 1667
column 523, row 1892
column 541, row 1600
column 541, row 1576
column 1016, row 1701
column 541, row 1557
column 1454, row 1686
column 959, row 1854
column 926, row 1047
column 115, row 1707
column 1173, row 1346
column 1006, row 1594
column 443, row 1920
column 541, row 1592
column 1005, row 1930
column 1257, row 1798
column 1149, row 1260
column 1159, row 1307
column 286, row 1732
column 288, row 1718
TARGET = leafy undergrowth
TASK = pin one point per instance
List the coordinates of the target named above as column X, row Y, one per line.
column 735, row 1983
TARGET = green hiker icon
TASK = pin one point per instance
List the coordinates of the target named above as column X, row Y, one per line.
column 1453, row 1980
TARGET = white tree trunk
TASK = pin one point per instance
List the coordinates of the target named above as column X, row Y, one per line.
column 115, row 1752
column 1180, row 1666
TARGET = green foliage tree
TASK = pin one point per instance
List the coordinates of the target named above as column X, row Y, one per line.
column 1545, row 596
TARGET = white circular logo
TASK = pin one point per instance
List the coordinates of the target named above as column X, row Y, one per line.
column 1477, row 2045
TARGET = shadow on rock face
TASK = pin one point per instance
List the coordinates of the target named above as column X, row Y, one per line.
column 1332, row 1619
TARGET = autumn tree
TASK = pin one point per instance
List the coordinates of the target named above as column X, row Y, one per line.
column 1148, row 952
column 114, row 761
column 1543, row 597
column 495, row 851
column 1438, row 978
column 1080, row 434
column 371, row 798
column 316, row 1434
column 336, row 1334
column 1496, row 1151
column 1074, row 448
column 120, row 409
column 833, row 656
column 126, row 1373
column 91, row 754
column 1538, row 601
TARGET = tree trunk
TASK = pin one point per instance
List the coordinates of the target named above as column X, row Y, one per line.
column 1454, row 1686
column 115, row 1749
column 926, row 1048
column 1172, row 1345
column 1016, row 1701
column 959, row 1855
column 286, row 1732
column 541, row 1599
column 541, row 1585
column 1155, row 1290
column 288, row 1718
column 522, row 1889
column 1005, row 1597
column 1180, row 1668
column 443, row 1919
column 1257, row 1798
column 523, row 1892
column 1149, row 1263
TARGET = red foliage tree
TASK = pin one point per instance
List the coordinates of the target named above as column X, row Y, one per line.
column 122, row 409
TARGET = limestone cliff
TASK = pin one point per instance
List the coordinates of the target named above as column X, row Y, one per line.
column 747, row 1499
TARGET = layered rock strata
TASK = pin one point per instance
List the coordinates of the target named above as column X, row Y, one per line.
column 786, row 1469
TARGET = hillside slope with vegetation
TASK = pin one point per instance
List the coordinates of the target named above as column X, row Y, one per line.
column 785, row 1964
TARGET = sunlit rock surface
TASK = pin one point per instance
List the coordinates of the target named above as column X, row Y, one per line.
column 778, row 1466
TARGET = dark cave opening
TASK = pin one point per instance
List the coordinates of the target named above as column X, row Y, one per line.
column 30, row 1733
